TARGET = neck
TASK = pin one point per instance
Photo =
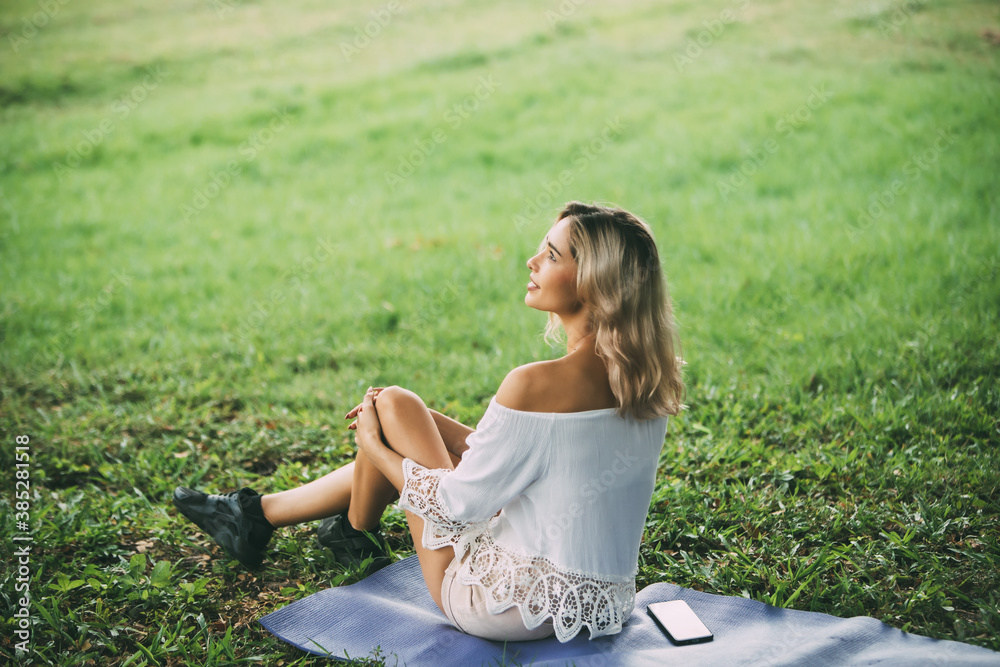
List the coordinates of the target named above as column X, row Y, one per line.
column 577, row 334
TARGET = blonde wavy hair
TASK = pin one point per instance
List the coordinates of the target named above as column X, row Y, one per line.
column 619, row 278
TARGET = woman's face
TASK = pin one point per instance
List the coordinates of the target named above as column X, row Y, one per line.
column 552, row 285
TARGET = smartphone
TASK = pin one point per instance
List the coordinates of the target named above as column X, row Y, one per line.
column 679, row 622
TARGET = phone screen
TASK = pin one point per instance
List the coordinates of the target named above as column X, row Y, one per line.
column 679, row 621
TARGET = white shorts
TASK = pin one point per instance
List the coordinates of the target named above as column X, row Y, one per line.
column 465, row 607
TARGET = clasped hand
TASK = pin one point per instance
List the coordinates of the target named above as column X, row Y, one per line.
column 367, row 427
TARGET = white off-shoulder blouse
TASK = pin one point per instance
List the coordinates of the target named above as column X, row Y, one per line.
column 572, row 491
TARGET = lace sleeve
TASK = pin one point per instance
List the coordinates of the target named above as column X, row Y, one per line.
column 421, row 495
column 506, row 454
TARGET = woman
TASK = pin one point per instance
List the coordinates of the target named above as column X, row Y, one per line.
column 529, row 525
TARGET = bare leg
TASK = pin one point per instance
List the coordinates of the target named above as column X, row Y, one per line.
column 409, row 428
column 332, row 494
column 320, row 498
column 433, row 562
column 370, row 494
column 453, row 433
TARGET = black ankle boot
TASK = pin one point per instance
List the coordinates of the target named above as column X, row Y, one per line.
column 351, row 546
column 234, row 520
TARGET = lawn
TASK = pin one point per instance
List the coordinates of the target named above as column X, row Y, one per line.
column 220, row 221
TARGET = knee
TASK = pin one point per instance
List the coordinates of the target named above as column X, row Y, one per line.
column 396, row 398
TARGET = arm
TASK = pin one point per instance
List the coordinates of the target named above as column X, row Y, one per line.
column 504, row 456
column 388, row 462
column 452, row 432
column 370, row 441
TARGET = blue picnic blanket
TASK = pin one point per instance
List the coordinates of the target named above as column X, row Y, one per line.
column 392, row 610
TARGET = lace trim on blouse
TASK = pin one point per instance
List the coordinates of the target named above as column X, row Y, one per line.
column 537, row 587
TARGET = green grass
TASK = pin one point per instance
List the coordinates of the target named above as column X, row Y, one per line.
column 840, row 450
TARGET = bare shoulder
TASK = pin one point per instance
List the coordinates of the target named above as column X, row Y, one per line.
column 524, row 387
column 560, row 385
